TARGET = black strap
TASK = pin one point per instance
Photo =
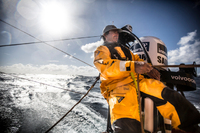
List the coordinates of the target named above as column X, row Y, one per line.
column 115, row 54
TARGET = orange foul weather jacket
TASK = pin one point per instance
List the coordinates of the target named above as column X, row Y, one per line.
column 115, row 62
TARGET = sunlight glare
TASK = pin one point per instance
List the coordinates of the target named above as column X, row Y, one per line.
column 55, row 18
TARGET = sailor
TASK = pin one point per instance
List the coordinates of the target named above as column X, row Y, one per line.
column 115, row 62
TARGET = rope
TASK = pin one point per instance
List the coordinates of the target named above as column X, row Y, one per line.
column 7, row 45
column 73, row 106
column 52, row 86
column 47, row 44
column 138, row 97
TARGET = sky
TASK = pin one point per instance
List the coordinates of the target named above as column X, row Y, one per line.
column 175, row 22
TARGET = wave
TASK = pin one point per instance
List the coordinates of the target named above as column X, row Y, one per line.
column 33, row 107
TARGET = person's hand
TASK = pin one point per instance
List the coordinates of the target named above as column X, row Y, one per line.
column 142, row 67
column 154, row 74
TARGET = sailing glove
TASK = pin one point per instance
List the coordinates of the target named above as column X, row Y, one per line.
column 142, row 67
column 154, row 74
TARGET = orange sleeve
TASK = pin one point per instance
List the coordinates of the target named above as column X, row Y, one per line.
column 112, row 68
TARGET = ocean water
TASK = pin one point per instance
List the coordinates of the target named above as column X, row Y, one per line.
column 32, row 103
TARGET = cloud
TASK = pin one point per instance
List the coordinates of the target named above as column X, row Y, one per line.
column 53, row 61
column 186, row 39
column 92, row 56
column 50, row 69
column 188, row 51
column 90, row 47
